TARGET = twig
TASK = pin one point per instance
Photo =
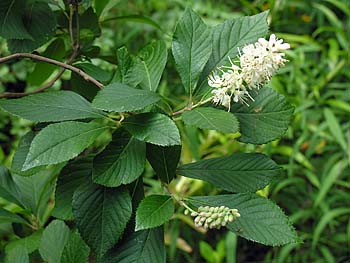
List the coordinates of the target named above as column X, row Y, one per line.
column 191, row 107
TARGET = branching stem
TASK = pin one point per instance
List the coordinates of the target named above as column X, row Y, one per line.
column 191, row 107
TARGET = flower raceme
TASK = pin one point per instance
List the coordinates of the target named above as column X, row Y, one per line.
column 258, row 63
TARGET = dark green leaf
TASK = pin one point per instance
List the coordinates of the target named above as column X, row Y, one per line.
column 71, row 177
column 191, row 48
column 240, row 172
column 89, row 21
column 154, row 128
column 261, row 220
column 164, row 160
column 53, row 240
column 211, row 119
column 8, row 217
column 265, row 119
column 122, row 162
column 61, row 142
column 75, row 251
column 141, row 247
column 101, row 215
column 8, row 187
column 94, row 71
column 154, row 211
column 121, row 98
column 228, row 37
column 51, row 106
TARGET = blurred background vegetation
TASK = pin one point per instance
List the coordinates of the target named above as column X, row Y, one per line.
column 315, row 152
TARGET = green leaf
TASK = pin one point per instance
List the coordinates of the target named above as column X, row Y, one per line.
column 335, row 128
column 8, row 217
column 212, row 119
column 30, row 243
column 191, row 48
column 126, row 66
column 60, row 142
column 121, row 98
column 141, row 247
column 53, row 240
column 121, row 162
column 240, row 172
column 154, row 211
column 153, row 59
column 164, row 160
column 228, row 37
column 71, row 177
column 8, row 187
column 94, row 71
column 75, row 251
column 154, row 128
column 101, row 215
column 51, row 106
column 266, row 119
column 261, row 220
column 11, row 23
column 40, row 22
column 18, row 254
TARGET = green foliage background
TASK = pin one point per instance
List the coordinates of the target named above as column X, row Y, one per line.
column 315, row 152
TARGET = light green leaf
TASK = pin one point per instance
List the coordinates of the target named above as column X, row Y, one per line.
column 266, row 119
column 212, row 119
column 164, row 160
column 153, row 58
column 75, row 251
column 60, row 142
column 143, row 246
column 126, row 66
column 30, row 243
column 8, row 217
column 51, row 106
column 154, row 211
column 335, row 128
column 240, row 172
column 191, row 48
column 70, row 178
column 227, row 38
column 53, row 240
column 101, row 215
column 121, row 98
column 154, row 128
column 261, row 220
column 121, row 162
column 18, row 254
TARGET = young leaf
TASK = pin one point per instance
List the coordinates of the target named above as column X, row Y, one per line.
column 261, row 220
column 240, row 172
column 71, row 177
column 51, row 106
column 143, row 246
column 8, row 217
column 164, row 160
column 211, row 119
column 60, row 142
column 154, row 128
column 266, row 119
column 153, row 58
column 191, row 48
column 126, row 67
column 154, row 211
column 75, row 251
column 227, row 38
column 53, row 240
column 101, row 215
column 121, row 98
column 121, row 162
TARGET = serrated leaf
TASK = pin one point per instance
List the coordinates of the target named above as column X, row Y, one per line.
column 164, row 160
column 240, row 172
column 121, row 162
column 70, row 178
column 51, row 106
column 126, row 73
column 61, row 142
column 121, row 98
column 75, row 250
column 261, row 220
column 8, row 217
column 94, row 71
column 153, row 58
column 53, row 240
column 154, row 211
column 228, row 37
column 211, row 119
column 8, row 187
column 101, row 215
column 191, row 48
column 143, row 246
column 154, row 128
column 266, row 119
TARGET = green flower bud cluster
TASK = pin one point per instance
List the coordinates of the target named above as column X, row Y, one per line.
column 211, row 217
